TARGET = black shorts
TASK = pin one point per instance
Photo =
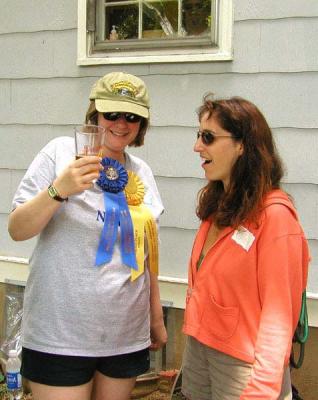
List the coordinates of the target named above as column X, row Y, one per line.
column 58, row 370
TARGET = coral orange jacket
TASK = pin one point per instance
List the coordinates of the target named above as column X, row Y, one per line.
column 245, row 298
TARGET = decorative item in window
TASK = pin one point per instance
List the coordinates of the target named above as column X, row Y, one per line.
column 113, row 33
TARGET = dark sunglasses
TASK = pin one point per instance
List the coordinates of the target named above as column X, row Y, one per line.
column 129, row 117
column 208, row 137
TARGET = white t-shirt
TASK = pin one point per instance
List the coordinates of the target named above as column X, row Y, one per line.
column 71, row 306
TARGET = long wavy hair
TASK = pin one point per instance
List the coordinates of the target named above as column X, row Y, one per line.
column 256, row 172
column 91, row 117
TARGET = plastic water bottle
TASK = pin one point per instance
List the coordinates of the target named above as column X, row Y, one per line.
column 14, row 380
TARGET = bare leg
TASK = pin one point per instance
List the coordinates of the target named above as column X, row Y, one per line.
column 46, row 392
column 106, row 388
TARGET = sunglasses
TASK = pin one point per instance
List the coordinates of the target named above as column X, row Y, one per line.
column 129, row 117
column 208, row 137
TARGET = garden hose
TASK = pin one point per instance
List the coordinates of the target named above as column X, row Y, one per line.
column 301, row 334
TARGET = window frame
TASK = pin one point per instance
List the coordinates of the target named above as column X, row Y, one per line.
column 221, row 52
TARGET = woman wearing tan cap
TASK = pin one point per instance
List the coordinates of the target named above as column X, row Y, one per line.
column 92, row 308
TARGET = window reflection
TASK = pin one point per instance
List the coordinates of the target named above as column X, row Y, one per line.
column 195, row 15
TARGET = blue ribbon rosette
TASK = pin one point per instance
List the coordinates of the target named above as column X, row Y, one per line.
column 113, row 179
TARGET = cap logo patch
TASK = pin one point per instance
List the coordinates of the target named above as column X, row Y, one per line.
column 124, row 88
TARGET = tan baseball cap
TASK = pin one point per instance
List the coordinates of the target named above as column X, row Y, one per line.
column 118, row 91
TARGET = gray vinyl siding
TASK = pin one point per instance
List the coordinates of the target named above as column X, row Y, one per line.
column 43, row 94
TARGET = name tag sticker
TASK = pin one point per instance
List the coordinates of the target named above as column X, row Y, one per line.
column 243, row 237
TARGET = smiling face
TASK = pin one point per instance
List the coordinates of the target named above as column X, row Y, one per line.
column 119, row 134
column 219, row 156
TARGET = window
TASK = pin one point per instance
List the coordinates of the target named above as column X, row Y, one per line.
column 141, row 31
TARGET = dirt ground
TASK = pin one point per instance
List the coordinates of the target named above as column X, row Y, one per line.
column 156, row 395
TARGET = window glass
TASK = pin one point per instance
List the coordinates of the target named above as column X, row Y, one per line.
column 196, row 17
column 161, row 17
column 121, row 22
column 160, row 20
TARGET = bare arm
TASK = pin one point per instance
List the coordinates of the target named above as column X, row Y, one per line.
column 29, row 219
column 158, row 331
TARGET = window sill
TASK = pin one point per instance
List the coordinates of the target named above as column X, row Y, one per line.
column 158, row 58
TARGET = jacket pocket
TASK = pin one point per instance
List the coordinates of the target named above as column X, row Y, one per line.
column 220, row 321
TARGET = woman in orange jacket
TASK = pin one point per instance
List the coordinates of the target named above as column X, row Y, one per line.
column 248, row 266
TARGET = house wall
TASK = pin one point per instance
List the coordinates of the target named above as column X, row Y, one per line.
column 43, row 94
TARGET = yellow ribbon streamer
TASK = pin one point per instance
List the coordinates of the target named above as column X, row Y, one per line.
column 143, row 223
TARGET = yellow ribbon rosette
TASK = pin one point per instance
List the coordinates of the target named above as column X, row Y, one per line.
column 143, row 223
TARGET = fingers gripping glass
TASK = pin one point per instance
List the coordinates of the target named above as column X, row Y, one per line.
column 129, row 117
column 208, row 137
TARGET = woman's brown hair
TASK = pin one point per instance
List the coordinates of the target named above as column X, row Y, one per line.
column 256, row 172
column 92, row 118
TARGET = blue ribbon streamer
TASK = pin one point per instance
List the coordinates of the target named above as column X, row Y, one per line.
column 109, row 233
column 117, row 212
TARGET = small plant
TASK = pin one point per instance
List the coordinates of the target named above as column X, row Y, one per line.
column 127, row 28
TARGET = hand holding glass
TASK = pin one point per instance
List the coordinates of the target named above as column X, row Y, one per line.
column 89, row 140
